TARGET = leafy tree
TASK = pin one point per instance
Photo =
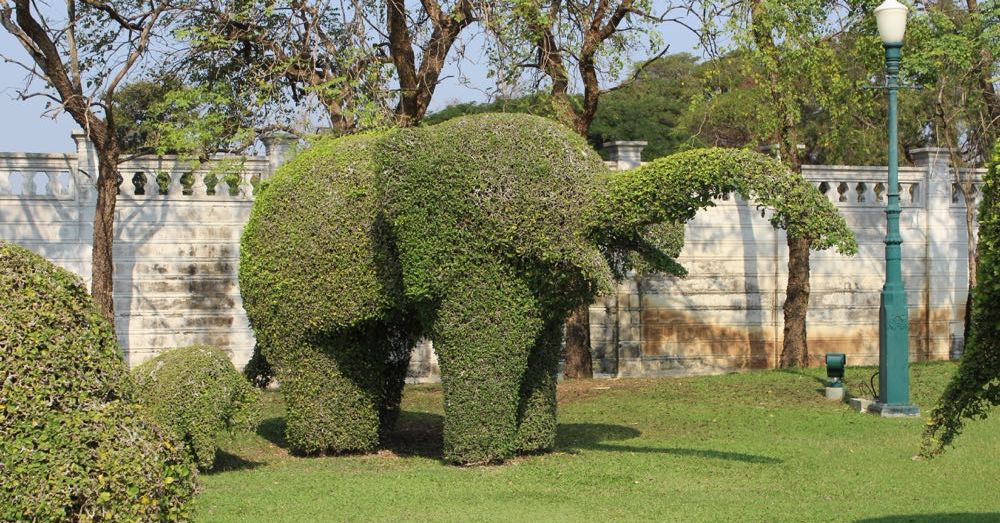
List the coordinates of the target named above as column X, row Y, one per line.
column 951, row 51
column 270, row 61
column 650, row 106
column 165, row 116
column 782, row 67
column 81, row 57
column 976, row 386
column 594, row 38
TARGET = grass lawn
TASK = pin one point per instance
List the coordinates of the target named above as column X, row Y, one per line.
column 761, row 446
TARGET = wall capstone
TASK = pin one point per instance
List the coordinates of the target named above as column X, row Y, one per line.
column 627, row 154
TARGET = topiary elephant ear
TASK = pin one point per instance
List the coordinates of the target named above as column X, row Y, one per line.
column 71, row 442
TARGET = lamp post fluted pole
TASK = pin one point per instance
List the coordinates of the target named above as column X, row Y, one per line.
column 894, row 324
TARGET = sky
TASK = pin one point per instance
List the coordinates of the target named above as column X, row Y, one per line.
column 24, row 129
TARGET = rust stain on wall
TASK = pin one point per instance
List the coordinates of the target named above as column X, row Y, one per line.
column 752, row 346
column 675, row 333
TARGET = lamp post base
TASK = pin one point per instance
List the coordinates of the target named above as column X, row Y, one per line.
column 894, row 411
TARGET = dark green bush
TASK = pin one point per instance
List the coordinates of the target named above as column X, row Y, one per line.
column 975, row 389
column 483, row 233
column 72, row 445
column 196, row 393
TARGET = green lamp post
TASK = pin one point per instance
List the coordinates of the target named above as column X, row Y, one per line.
column 894, row 324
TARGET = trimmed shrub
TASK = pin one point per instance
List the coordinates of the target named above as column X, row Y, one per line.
column 197, row 394
column 975, row 389
column 483, row 233
column 72, row 445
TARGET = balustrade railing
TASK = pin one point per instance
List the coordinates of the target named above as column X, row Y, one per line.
column 232, row 178
column 973, row 179
column 866, row 186
column 37, row 176
column 57, row 177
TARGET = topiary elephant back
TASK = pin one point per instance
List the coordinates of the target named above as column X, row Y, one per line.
column 482, row 234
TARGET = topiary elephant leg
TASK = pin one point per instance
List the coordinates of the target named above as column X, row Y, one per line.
column 333, row 388
column 483, row 334
column 537, row 410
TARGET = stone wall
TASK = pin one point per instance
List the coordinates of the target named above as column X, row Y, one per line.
column 177, row 256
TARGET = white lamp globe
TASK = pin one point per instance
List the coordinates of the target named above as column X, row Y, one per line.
column 891, row 20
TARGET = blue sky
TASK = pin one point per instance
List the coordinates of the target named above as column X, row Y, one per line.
column 24, row 129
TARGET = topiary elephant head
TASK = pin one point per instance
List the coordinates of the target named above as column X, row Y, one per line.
column 482, row 233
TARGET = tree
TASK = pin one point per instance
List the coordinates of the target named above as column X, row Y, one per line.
column 277, row 60
column 594, row 38
column 786, row 68
column 650, row 107
column 288, row 59
column 951, row 50
column 418, row 80
column 976, row 386
column 82, row 56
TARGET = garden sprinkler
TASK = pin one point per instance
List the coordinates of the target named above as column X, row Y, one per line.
column 835, row 363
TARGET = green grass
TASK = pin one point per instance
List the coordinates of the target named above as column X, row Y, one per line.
column 762, row 446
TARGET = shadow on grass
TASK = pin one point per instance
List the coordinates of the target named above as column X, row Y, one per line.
column 417, row 434
column 963, row 517
column 420, row 434
column 592, row 436
column 799, row 372
column 226, row 462
column 273, row 430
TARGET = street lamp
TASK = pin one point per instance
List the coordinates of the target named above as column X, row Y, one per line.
column 894, row 324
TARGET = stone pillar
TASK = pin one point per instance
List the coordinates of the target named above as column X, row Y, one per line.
column 628, row 155
column 629, row 327
column 946, row 260
column 83, row 179
column 279, row 148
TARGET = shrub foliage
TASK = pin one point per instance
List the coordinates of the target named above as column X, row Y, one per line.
column 71, row 444
column 976, row 386
column 483, row 233
column 197, row 394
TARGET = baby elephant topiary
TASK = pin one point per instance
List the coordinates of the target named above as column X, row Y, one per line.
column 482, row 233
column 73, row 446
column 198, row 394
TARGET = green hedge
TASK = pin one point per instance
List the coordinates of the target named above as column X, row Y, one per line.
column 483, row 233
column 975, row 389
column 197, row 394
column 72, row 445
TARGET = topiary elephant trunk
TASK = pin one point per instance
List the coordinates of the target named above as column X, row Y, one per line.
column 482, row 233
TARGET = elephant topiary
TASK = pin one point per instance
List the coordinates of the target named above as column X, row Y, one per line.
column 481, row 233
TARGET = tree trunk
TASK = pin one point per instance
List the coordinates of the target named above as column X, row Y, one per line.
column 795, row 351
column 973, row 253
column 102, row 264
column 579, row 363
